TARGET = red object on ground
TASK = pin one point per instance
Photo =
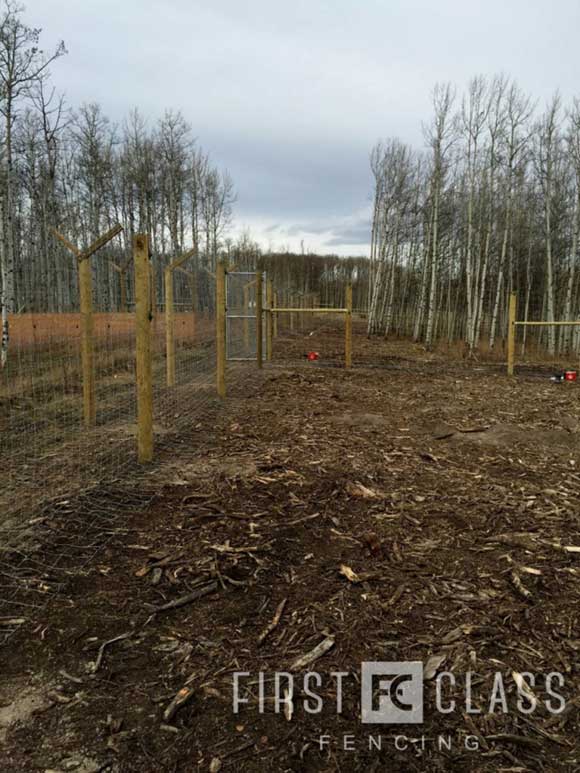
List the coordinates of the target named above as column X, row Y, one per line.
column 312, row 356
column 570, row 375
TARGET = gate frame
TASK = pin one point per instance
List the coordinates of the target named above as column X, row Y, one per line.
column 272, row 310
column 513, row 323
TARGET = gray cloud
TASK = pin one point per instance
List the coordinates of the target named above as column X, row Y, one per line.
column 360, row 235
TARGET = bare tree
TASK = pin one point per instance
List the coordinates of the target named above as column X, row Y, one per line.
column 548, row 158
column 22, row 63
column 440, row 137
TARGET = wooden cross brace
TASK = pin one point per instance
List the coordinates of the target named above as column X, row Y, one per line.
column 86, row 308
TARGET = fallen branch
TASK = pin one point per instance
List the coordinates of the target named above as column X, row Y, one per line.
column 180, row 699
column 524, row 541
column 249, row 549
column 519, row 586
column 189, row 597
column 274, row 624
column 320, row 650
column 105, row 644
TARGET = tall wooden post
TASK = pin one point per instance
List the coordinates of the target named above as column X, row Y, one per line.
column 246, row 319
column 87, row 342
column 269, row 322
column 143, row 315
column 221, row 328
column 259, row 318
column 348, row 328
column 511, row 343
column 169, row 328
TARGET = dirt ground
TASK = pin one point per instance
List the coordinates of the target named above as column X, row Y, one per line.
column 411, row 509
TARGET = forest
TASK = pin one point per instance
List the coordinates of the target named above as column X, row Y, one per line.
column 490, row 206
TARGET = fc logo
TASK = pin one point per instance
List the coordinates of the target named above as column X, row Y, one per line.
column 392, row 693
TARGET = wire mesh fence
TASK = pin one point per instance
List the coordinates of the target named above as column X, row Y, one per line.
column 46, row 449
column 43, row 445
column 67, row 480
column 194, row 341
column 51, row 446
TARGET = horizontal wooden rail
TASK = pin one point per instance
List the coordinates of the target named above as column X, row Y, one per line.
column 513, row 323
column 276, row 310
column 548, row 324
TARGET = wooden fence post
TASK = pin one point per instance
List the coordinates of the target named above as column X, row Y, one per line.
column 511, row 343
column 348, row 328
column 269, row 323
column 275, row 317
column 169, row 328
column 259, row 319
column 221, row 328
column 87, row 342
column 143, row 317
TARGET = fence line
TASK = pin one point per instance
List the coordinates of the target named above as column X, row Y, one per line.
column 49, row 450
column 87, row 394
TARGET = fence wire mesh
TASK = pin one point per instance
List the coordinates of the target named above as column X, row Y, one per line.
column 64, row 484
column 44, row 447
column 46, row 451
column 195, row 359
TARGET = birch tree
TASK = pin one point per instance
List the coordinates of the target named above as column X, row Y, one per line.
column 440, row 137
column 22, row 63
column 548, row 150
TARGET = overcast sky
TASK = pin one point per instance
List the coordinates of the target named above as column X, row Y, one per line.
column 290, row 95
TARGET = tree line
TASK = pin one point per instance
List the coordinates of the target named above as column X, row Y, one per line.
column 303, row 278
column 491, row 206
column 78, row 172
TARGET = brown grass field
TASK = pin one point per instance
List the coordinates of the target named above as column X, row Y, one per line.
column 28, row 330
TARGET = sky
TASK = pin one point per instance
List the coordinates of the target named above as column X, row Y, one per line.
column 290, row 96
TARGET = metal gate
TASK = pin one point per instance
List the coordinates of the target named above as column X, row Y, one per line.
column 241, row 325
